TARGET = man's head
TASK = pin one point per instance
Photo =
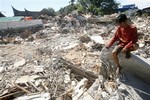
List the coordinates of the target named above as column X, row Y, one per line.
column 121, row 19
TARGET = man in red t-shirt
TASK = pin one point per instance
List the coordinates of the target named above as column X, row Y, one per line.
column 127, row 36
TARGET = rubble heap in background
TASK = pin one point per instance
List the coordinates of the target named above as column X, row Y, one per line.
column 61, row 61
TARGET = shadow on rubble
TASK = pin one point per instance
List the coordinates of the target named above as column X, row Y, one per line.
column 140, row 86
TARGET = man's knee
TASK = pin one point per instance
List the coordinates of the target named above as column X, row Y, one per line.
column 136, row 46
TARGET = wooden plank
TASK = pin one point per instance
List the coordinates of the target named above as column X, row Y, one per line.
column 79, row 71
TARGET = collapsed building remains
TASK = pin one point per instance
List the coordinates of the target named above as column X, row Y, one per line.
column 63, row 61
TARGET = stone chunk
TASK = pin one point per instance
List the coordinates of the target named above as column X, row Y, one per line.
column 41, row 96
column 79, row 89
column 67, row 79
column 25, row 79
column 65, row 30
column 85, row 39
column 20, row 63
column 97, row 39
column 86, row 96
column 1, row 69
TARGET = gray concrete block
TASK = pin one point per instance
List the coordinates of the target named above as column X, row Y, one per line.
column 20, row 24
column 138, row 65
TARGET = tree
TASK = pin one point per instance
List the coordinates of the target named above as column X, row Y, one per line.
column 99, row 6
column 72, row 2
column 72, row 5
column 49, row 11
column 68, row 9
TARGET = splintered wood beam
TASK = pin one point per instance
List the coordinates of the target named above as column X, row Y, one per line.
column 79, row 71
column 23, row 89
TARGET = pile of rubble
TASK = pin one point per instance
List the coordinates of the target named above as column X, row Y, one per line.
column 62, row 62
column 143, row 27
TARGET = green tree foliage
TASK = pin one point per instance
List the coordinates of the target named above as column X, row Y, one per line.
column 49, row 11
column 97, row 7
column 72, row 2
column 65, row 10
column 68, row 9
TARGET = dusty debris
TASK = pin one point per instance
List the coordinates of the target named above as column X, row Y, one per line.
column 19, row 63
column 62, row 60
column 25, row 34
column 41, row 96
column 78, row 71
column 79, row 89
column 97, row 39
column 25, row 79
column 2, row 69
column 85, row 39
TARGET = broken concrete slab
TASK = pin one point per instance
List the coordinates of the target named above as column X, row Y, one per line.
column 25, row 79
column 139, row 65
column 70, row 46
column 96, row 89
column 85, row 38
column 79, row 89
column 37, row 69
column 40, row 96
column 20, row 63
column 20, row 24
column 86, row 96
column 2, row 69
column 97, row 39
column 67, row 79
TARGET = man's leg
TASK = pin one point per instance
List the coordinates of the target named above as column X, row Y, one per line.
column 128, row 54
column 115, row 53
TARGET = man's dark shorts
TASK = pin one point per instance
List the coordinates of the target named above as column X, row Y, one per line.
column 117, row 49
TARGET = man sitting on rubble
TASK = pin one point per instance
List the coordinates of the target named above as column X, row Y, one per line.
column 127, row 36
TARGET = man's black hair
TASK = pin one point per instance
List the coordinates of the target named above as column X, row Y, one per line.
column 121, row 18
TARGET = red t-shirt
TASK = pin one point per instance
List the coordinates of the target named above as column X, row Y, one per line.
column 126, row 36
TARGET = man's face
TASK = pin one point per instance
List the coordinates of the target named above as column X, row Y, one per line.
column 122, row 24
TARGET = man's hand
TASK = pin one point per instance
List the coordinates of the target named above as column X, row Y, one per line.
column 107, row 46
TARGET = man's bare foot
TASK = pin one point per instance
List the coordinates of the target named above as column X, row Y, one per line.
column 118, row 71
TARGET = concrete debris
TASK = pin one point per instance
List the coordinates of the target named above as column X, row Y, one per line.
column 110, row 87
column 67, row 79
column 42, row 96
column 70, row 46
column 37, row 69
column 61, row 60
column 65, row 30
column 2, row 69
column 97, row 39
column 79, row 89
column 85, row 39
column 25, row 34
column 86, row 96
column 25, row 79
column 19, row 63
column 104, row 19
